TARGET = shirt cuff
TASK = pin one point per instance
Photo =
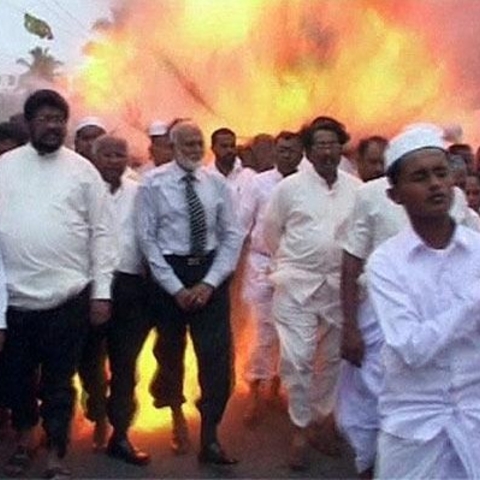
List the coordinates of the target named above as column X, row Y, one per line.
column 102, row 289
column 213, row 279
column 172, row 286
column 355, row 251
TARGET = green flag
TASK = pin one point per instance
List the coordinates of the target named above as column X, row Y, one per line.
column 38, row 27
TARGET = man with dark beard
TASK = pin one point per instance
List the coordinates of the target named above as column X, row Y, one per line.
column 58, row 245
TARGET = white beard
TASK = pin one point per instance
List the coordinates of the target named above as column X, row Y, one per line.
column 189, row 165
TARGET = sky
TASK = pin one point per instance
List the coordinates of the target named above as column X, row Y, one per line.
column 70, row 21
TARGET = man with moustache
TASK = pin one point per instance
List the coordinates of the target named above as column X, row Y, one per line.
column 305, row 219
column 226, row 162
column 371, row 157
column 189, row 235
column 262, row 367
column 58, row 246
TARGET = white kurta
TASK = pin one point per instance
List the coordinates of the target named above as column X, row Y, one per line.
column 123, row 199
column 375, row 218
column 258, row 289
column 237, row 179
column 304, row 224
column 56, row 228
column 428, row 305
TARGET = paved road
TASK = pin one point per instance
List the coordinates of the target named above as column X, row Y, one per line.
column 261, row 451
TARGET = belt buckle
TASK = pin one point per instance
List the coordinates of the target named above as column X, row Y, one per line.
column 194, row 261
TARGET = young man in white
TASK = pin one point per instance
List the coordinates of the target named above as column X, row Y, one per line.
column 423, row 284
column 305, row 219
column 375, row 218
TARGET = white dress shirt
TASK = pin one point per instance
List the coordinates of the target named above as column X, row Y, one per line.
column 304, row 224
column 376, row 218
column 56, row 229
column 237, row 179
column 163, row 225
column 123, row 199
column 348, row 166
column 3, row 295
column 254, row 205
column 428, row 305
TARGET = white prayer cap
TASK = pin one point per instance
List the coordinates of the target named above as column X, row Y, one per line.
column 424, row 125
column 90, row 122
column 412, row 138
column 157, row 128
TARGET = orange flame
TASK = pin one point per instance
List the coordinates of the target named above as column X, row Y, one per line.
column 258, row 66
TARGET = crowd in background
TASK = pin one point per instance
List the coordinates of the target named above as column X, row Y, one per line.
column 98, row 251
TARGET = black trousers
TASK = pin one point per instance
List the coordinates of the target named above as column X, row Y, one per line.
column 210, row 332
column 41, row 355
column 92, row 373
column 126, row 334
column 3, row 386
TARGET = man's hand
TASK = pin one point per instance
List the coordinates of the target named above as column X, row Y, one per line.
column 352, row 348
column 184, row 299
column 100, row 311
column 2, row 338
column 202, row 293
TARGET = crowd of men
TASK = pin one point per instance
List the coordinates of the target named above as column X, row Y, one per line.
column 361, row 288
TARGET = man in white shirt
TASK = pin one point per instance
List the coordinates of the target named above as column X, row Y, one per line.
column 371, row 157
column 423, row 284
column 190, row 237
column 227, row 164
column 58, row 246
column 87, row 131
column 263, row 150
column 375, row 218
column 92, row 366
column 127, row 329
column 160, row 149
column 262, row 367
column 304, row 223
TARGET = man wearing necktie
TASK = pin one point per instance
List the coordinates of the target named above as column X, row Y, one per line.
column 189, row 235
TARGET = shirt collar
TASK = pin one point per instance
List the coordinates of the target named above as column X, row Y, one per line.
column 413, row 243
column 180, row 173
column 237, row 167
column 45, row 155
column 319, row 180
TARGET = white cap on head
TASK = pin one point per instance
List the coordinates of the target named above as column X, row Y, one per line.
column 411, row 138
column 90, row 122
column 157, row 128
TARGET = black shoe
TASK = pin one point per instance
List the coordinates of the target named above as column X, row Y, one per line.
column 124, row 450
column 180, row 443
column 215, row 455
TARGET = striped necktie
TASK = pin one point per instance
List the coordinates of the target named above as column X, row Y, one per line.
column 196, row 212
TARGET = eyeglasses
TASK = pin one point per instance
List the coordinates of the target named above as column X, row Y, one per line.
column 45, row 119
column 325, row 145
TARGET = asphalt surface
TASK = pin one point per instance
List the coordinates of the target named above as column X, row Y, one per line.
column 261, row 451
